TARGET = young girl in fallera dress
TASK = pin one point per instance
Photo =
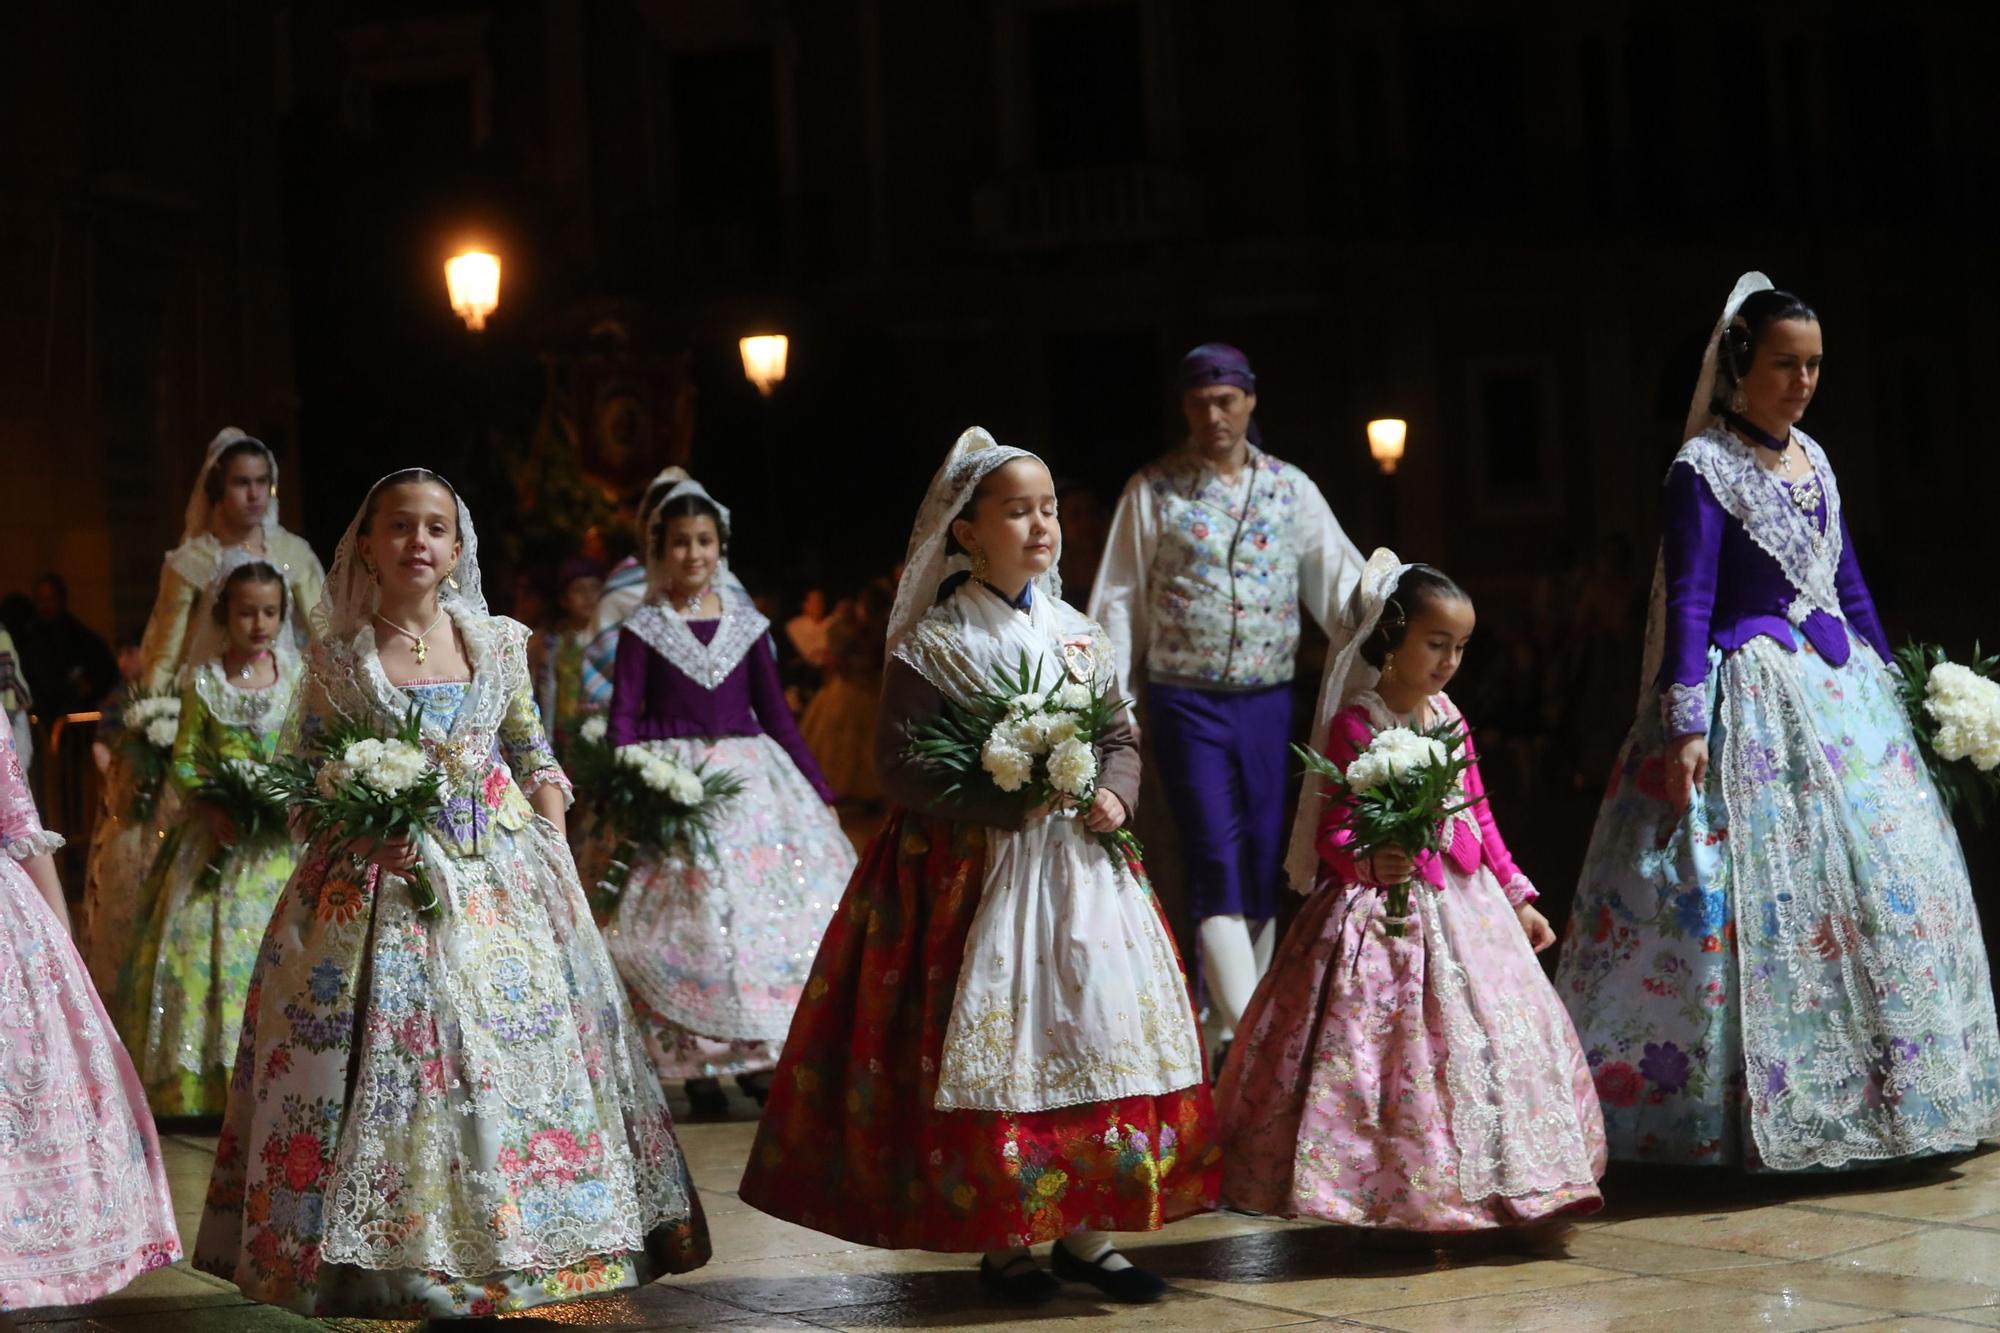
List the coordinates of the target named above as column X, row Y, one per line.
column 1428, row 1082
column 232, row 516
column 996, row 1047
column 182, row 999
column 446, row 1113
column 715, row 944
column 83, row 1192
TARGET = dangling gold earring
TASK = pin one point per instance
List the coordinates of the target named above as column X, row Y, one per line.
column 980, row 569
column 1388, row 665
column 451, row 577
column 1737, row 401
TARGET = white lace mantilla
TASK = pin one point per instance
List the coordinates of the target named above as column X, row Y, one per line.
column 1808, row 554
column 1069, row 992
column 706, row 664
column 354, row 685
column 1806, row 548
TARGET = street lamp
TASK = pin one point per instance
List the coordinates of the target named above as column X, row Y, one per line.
column 473, row 281
column 1385, row 442
column 764, row 360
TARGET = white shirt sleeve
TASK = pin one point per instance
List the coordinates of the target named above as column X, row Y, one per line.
column 1118, row 600
column 1329, row 564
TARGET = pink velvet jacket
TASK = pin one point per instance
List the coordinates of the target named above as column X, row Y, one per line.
column 1349, row 736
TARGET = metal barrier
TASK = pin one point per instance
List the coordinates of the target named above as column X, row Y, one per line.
column 70, row 789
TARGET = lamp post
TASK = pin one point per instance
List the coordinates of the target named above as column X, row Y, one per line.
column 764, row 357
column 1386, row 438
column 472, row 280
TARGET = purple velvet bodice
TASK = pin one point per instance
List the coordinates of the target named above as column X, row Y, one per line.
column 652, row 699
column 1723, row 589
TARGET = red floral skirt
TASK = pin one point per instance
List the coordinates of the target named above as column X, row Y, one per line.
column 852, row 1143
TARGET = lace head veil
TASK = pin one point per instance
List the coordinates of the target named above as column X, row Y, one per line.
column 1701, row 411
column 927, row 563
column 199, row 509
column 1347, row 674
column 351, row 597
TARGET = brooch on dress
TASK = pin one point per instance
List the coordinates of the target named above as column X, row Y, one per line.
column 1079, row 657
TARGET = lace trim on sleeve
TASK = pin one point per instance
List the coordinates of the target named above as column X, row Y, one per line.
column 1519, row 890
column 34, row 844
column 1684, row 709
column 550, row 775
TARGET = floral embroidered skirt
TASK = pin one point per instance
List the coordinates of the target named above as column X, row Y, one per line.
column 851, row 1143
column 84, row 1207
column 181, row 1004
column 1789, row 977
column 715, row 948
column 1425, row 1083
column 444, row 1115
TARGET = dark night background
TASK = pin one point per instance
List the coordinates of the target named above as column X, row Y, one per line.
column 1511, row 225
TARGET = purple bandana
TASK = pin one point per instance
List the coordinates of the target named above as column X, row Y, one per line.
column 1216, row 363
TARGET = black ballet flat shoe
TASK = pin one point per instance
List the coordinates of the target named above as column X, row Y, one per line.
column 1128, row 1286
column 1023, row 1283
column 757, row 1087
column 706, row 1100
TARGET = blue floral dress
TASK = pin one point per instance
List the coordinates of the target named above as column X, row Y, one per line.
column 444, row 1114
column 1790, row 976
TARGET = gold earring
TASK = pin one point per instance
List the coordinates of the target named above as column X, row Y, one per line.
column 451, row 577
column 1388, row 664
column 980, row 569
column 1737, row 400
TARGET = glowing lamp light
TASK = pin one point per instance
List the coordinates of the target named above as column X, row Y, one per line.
column 1385, row 442
column 473, row 280
column 764, row 360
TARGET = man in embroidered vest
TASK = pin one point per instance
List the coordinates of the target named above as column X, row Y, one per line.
column 1211, row 552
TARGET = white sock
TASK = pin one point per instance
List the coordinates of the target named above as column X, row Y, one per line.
column 1000, row 1260
column 1229, row 967
column 1091, row 1246
column 1264, row 944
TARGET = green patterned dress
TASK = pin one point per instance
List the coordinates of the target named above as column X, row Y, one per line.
column 180, row 1002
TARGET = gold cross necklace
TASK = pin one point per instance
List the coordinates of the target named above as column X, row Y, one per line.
column 419, row 649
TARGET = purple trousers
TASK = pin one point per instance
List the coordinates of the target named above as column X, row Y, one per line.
column 1223, row 756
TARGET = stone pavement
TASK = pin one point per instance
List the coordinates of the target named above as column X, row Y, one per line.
column 1676, row 1250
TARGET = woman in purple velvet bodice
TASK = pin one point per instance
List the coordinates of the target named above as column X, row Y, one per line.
column 715, row 947
column 1774, row 960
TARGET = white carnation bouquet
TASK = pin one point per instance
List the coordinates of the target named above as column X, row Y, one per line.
column 647, row 799
column 1399, row 792
column 1028, row 738
column 359, row 785
column 1954, row 711
column 151, row 720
